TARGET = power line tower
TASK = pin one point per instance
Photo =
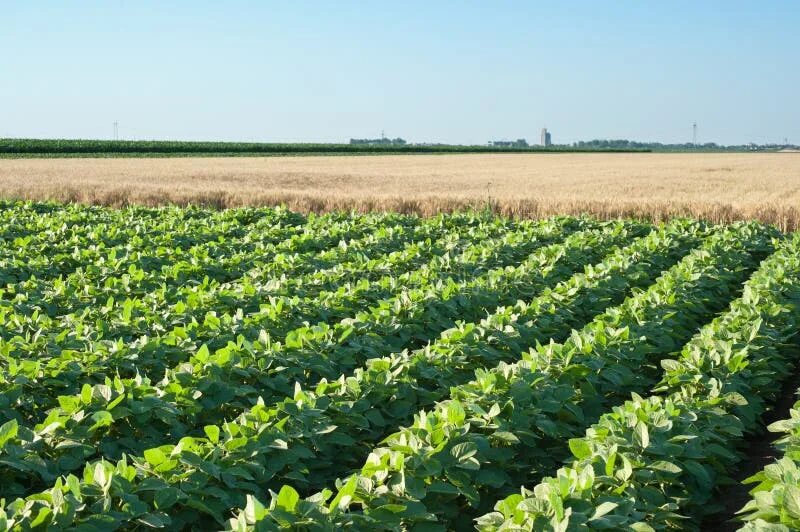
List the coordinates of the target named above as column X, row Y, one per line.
column 116, row 130
column 694, row 134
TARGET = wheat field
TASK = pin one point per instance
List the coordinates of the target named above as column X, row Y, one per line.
column 717, row 187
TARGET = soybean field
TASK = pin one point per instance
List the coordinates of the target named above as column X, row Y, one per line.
column 184, row 368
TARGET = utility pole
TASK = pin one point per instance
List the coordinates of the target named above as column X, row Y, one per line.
column 116, row 130
column 694, row 134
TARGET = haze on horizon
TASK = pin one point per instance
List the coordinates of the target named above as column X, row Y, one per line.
column 449, row 72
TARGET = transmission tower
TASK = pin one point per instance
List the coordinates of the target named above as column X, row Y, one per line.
column 116, row 130
column 694, row 134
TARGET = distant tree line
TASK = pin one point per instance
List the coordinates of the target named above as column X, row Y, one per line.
column 161, row 148
column 624, row 144
column 378, row 142
column 519, row 143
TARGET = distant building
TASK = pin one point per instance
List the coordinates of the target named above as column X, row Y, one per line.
column 546, row 140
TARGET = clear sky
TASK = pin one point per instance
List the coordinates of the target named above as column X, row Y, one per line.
column 461, row 72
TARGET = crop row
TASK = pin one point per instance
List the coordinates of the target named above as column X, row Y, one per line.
column 36, row 380
column 148, row 262
column 510, row 423
column 313, row 279
column 186, row 470
column 654, row 463
column 608, row 237
column 775, row 503
column 79, row 298
column 177, row 368
column 115, row 295
column 47, row 247
column 177, row 402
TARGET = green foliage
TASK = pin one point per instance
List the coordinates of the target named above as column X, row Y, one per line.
column 776, row 496
column 143, row 148
column 511, row 422
column 177, row 368
column 708, row 398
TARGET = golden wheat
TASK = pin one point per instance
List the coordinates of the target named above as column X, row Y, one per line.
column 716, row 187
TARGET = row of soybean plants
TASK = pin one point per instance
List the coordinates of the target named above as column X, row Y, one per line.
column 143, row 263
column 655, row 462
column 511, row 423
column 146, row 262
column 39, row 381
column 775, row 502
column 202, row 297
column 283, row 302
column 201, row 477
column 37, row 333
column 97, row 416
column 552, row 254
column 47, row 245
column 546, row 230
column 80, row 300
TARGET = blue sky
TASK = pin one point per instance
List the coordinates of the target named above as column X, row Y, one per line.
column 463, row 72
